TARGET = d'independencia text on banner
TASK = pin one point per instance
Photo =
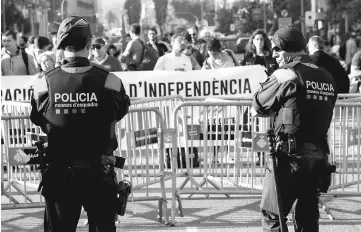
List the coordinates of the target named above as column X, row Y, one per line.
column 239, row 81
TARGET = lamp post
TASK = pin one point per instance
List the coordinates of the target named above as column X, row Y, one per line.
column 62, row 9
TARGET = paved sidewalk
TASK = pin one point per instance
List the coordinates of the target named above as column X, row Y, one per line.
column 213, row 214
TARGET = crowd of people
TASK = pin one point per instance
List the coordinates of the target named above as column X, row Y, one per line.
column 189, row 50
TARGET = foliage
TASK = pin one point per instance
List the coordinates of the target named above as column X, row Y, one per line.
column 14, row 17
column 160, row 7
column 351, row 7
column 248, row 24
column 187, row 10
column 110, row 17
column 134, row 10
column 224, row 19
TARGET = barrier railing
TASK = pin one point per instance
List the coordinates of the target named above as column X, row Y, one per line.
column 144, row 165
column 222, row 135
column 145, row 157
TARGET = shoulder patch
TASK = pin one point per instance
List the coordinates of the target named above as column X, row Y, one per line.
column 113, row 82
column 283, row 75
column 40, row 86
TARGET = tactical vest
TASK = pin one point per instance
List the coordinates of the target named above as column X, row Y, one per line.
column 81, row 116
column 308, row 115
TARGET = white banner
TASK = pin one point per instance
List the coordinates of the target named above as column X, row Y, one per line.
column 239, row 81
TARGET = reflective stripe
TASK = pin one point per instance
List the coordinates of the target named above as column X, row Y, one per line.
column 40, row 86
column 76, row 69
column 113, row 82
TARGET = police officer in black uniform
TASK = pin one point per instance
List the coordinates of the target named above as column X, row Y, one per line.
column 299, row 97
column 78, row 105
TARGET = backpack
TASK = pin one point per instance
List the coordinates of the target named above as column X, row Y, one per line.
column 149, row 58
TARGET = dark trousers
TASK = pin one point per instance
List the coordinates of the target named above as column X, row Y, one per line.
column 299, row 177
column 67, row 190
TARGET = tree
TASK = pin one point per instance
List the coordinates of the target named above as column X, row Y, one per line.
column 110, row 17
column 134, row 9
column 191, row 11
column 14, row 17
column 160, row 7
column 224, row 20
column 339, row 7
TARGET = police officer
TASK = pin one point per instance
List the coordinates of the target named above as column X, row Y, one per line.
column 77, row 105
column 299, row 97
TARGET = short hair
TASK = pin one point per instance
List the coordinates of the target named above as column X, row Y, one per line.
column 318, row 42
column 31, row 39
column 214, row 45
column 10, row 32
column 175, row 36
column 48, row 54
column 41, row 42
column 135, row 28
column 154, row 29
column 98, row 40
column 24, row 38
column 195, row 28
column 188, row 38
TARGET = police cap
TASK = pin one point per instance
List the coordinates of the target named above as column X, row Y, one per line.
column 72, row 29
column 289, row 39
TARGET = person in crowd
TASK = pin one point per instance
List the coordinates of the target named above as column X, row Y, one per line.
column 113, row 51
column 300, row 117
column 166, row 40
column 41, row 44
column 355, row 73
column 133, row 54
column 52, row 37
column 81, row 135
column 47, row 62
column 23, row 42
column 351, row 49
column 258, row 51
column 161, row 48
column 191, row 53
column 30, row 48
column 175, row 60
column 218, row 58
column 59, row 57
column 101, row 57
column 206, row 36
column 198, row 43
column 15, row 61
column 320, row 58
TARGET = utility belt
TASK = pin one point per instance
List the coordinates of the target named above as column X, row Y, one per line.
column 112, row 161
column 290, row 143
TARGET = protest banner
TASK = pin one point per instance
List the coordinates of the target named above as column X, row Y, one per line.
column 239, row 81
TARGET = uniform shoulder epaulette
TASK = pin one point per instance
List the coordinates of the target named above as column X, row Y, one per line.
column 283, row 75
column 99, row 68
column 53, row 71
column 113, row 82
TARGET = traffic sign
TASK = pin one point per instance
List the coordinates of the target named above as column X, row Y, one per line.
column 260, row 142
column 284, row 22
column 232, row 27
column 284, row 13
column 256, row 13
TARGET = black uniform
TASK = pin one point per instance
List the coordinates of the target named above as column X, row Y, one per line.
column 299, row 97
column 77, row 105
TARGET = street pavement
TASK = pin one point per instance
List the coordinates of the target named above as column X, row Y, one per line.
column 216, row 213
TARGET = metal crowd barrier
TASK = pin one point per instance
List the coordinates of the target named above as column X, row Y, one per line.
column 144, row 167
column 222, row 134
column 145, row 157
